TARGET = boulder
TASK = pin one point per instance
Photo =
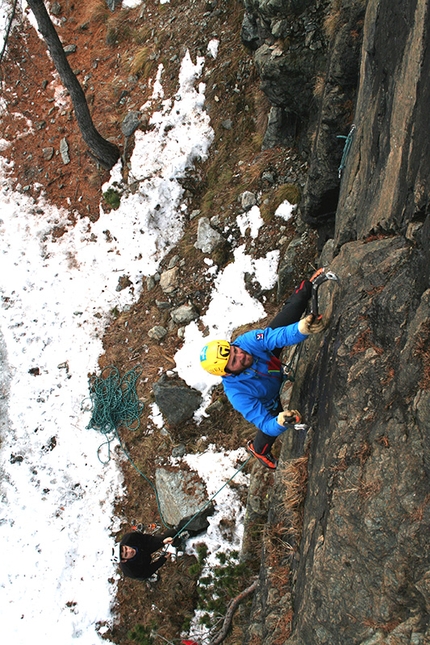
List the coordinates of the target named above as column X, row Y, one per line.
column 181, row 494
column 248, row 200
column 157, row 333
column 130, row 123
column 184, row 314
column 177, row 402
column 169, row 280
column 207, row 237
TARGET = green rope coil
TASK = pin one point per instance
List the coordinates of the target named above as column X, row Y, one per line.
column 114, row 403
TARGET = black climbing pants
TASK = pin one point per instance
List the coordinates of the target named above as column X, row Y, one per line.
column 290, row 313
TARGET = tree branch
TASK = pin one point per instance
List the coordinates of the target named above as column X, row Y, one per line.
column 9, row 27
column 230, row 611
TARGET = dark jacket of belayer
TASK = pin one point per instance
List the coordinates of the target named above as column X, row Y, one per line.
column 141, row 565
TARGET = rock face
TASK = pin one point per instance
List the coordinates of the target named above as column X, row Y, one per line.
column 307, row 55
column 367, row 398
column 361, row 572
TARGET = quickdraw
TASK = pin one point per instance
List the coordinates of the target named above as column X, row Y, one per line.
column 327, row 275
column 346, row 148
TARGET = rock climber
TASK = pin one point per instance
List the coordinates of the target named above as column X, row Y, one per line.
column 252, row 373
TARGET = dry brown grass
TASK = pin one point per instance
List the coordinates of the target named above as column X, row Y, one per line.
column 261, row 110
column 383, row 441
column 289, row 192
column 422, row 351
column 386, row 627
column 119, row 28
column 332, row 20
column 284, row 628
column 331, row 24
column 363, row 343
column 295, row 476
column 96, row 11
column 319, row 87
column 369, row 489
column 144, row 61
column 418, row 514
column 364, row 452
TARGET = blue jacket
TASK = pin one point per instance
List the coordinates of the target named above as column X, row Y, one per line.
column 255, row 392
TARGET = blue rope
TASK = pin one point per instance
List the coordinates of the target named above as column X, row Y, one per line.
column 346, row 149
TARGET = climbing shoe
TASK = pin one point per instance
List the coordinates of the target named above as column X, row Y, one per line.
column 268, row 459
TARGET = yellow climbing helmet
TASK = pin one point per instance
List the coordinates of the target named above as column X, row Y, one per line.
column 214, row 357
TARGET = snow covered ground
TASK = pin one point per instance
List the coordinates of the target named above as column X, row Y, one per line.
column 57, row 499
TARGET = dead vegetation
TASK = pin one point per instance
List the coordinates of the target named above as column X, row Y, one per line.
column 295, row 476
column 422, row 352
column 364, row 342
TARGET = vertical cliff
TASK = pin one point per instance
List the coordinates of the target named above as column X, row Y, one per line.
column 360, row 571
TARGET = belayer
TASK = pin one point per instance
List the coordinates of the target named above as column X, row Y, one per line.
column 252, row 373
column 137, row 548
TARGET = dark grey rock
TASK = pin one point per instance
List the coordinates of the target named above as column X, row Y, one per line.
column 150, row 283
column 55, row 8
column 70, row 49
column 281, row 128
column 130, row 123
column 360, row 569
column 248, row 200
column 163, row 304
column 287, row 273
column 179, row 451
column 113, row 4
column 157, row 333
column 48, row 153
column 177, row 402
column 184, row 314
column 249, row 33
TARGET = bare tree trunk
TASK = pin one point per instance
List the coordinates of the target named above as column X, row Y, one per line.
column 230, row 611
column 8, row 28
column 106, row 152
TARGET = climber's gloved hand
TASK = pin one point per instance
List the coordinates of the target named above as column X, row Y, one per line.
column 289, row 417
column 311, row 325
